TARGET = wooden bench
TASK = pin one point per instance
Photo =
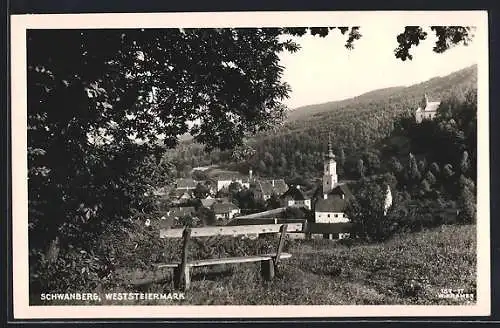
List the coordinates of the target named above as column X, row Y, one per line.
column 269, row 262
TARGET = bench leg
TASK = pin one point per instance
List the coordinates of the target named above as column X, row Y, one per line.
column 182, row 281
column 267, row 269
column 177, row 278
column 187, row 278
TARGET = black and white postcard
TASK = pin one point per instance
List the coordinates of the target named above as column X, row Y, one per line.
column 250, row 165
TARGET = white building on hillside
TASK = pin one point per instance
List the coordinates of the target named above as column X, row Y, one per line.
column 427, row 110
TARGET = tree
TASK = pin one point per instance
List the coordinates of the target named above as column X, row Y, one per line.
column 413, row 172
column 448, row 171
column 200, row 175
column 431, row 179
column 361, row 168
column 467, row 200
column 207, row 216
column 464, row 163
column 366, row 211
column 396, row 166
column 294, row 213
column 273, row 202
column 372, row 162
column 447, row 37
column 201, row 191
column 434, row 168
column 341, row 159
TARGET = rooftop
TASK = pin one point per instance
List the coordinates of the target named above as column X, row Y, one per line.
column 274, row 186
column 294, row 193
column 221, row 208
column 330, row 205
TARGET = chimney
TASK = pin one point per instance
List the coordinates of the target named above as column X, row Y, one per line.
column 272, row 181
column 325, row 196
column 343, row 196
column 250, row 175
column 298, row 187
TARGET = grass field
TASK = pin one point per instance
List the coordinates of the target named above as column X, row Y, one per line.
column 408, row 269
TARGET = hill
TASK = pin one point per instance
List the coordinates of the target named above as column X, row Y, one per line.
column 355, row 125
column 295, row 147
column 438, row 87
column 306, row 111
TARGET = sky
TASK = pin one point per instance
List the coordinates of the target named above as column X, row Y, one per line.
column 324, row 70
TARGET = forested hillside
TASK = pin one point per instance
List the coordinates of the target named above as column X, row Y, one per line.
column 357, row 127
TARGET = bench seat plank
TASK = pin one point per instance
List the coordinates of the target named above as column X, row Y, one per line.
column 227, row 260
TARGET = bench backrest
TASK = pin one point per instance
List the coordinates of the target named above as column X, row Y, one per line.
column 231, row 230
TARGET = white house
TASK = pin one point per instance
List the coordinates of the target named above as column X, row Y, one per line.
column 294, row 197
column 330, row 211
column 264, row 189
column 225, row 211
column 427, row 110
column 226, row 182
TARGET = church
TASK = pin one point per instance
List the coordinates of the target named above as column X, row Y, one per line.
column 427, row 110
column 332, row 197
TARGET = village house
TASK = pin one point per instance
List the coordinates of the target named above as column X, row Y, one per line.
column 179, row 196
column 264, row 189
column 225, row 180
column 185, row 184
column 210, row 201
column 294, row 197
column 427, row 110
column 225, row 210
column 174, row 214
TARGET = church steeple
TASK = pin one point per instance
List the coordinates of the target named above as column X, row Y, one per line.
column 425, row 101
column 330, row 154
column 330, row 177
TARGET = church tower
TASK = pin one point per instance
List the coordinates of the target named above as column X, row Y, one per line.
column 330, row 177
column 424, row 101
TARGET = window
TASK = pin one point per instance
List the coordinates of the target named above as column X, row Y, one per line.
column 328, row 215
column 336, row 215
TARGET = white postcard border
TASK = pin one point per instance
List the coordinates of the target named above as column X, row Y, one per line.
column 21, row 23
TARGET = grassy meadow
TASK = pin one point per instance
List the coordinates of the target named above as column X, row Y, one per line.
column 408, row 269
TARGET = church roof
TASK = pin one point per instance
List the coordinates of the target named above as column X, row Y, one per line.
column 432, row 106
column 335, row 204
column 428, row 106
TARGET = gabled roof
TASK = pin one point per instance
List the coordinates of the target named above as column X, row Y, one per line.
column 432, row 106
column 222, row 208
column 269, row 187
column 178, row 193
column 208, row 202
column 335, row 204
column 293, row 193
